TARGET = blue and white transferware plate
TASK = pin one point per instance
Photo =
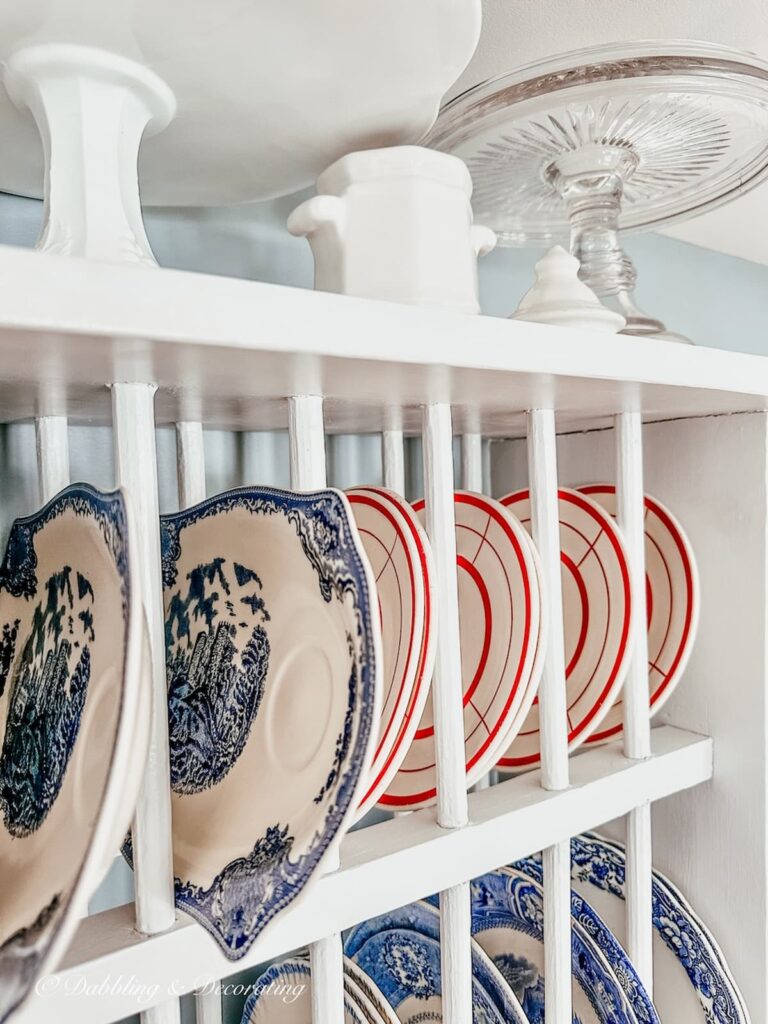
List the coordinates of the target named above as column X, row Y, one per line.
column 405, row 966
column 599, row 935
column 272, row 656
column 283, row 995
column 423, row 919
column 74, row 722
column 692, row 983
column 367, row 995
column 508, row 922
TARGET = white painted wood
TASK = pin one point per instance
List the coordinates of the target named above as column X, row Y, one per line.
column 452, row 803
column 52, row 455
column 306, row 440
column 190, row 458
column 190, row 455
column 553, row 719
column 200, row 336
column 306, row 443
column 472, row 462
column 630, row 515
column 545, row 530
column 456, row 953
column 446, row 680
column 136, row 467
column 393, row 460
column 385, row 866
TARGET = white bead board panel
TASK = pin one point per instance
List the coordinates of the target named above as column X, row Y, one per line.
column 711, row 472
column 233, row 350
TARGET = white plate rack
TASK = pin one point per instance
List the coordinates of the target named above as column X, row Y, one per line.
column 687, row 424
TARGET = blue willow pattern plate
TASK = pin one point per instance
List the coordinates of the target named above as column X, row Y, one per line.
column 423, row 919
column 508, row 922
column 590, row 922
column 272, row 654
column 601, row 864
column 405, row 966
column 66, row 615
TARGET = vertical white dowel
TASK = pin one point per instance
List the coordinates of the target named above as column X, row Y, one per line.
column 136, row 464
column 52, row 455
column 190, row 470
column 472, row 462
column 452, row 809
column 190, row 462
column 553, row 721
column 393, row 460
column 630, row 514
column 472, row 480
column 306, row 441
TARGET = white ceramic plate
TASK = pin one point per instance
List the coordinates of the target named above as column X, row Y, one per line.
column 596, row 616
column 500, row 608
column 395, row 552
column 273, row 649
column 672, row 598
column 268, row 94
column 692, row 982
column 74, row 721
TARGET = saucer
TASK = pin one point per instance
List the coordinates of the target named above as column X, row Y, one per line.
column 596, row 619
column 283, row 995
column 273, row 650
column 500, row 613
column 74, row 722
column 397, row 550
column 673, row 602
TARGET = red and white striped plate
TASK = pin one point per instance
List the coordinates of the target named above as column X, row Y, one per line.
column 500, row 607
column 401, row 560
column 672, row 599
column 596, row 618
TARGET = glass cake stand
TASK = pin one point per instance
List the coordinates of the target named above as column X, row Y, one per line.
column 615, row 138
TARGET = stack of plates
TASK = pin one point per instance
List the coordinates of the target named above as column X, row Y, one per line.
column 392, row 963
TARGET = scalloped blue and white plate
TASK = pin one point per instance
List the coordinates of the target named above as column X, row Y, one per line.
column 74, row 722
column 692, row 982
column 422, row 921
column 508, row 923
column 273, row 649
column 596, row 933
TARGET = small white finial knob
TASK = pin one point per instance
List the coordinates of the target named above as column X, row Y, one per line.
column 559, row 297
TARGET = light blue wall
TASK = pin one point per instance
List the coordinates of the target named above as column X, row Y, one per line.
column 713, row 299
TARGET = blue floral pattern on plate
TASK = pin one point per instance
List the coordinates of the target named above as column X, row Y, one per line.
column 618, row 961
column 215, row 693
column 46, row 651
column 513, row 902
column 424, row 920
column 602, row 863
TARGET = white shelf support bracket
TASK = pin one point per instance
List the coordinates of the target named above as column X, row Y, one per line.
column 630, row 515
column 553, row 716
column 136, row 465
column 306, row 441
column 452, row 806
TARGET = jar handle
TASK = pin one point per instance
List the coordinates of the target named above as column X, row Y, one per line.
column 483, row 239
column 318, row 212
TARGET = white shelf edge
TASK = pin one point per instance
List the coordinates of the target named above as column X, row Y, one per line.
column 382, row 867
column 47, row 294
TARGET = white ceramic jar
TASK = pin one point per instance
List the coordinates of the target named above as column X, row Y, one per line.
column 395, row 224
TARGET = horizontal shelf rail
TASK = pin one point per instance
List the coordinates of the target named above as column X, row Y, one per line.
column 382, row 867
column 224, row 342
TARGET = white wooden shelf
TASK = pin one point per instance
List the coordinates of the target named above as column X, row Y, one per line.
column 230, row 350
column 382, row 867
